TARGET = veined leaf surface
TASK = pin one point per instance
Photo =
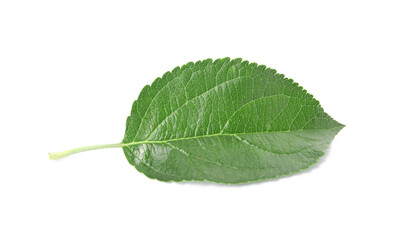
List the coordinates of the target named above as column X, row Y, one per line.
column 225, row 121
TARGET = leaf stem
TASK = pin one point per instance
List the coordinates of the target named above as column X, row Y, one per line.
column 58, row 155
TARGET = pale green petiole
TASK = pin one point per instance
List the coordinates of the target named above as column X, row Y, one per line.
column 63, row 154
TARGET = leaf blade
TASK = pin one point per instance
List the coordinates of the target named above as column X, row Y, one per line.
column 212, row 108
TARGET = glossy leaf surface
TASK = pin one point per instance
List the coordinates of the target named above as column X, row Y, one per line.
column 225, row 121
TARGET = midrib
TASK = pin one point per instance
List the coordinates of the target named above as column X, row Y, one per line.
column 217, row 135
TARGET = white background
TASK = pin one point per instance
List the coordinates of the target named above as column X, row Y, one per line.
column 70, row 71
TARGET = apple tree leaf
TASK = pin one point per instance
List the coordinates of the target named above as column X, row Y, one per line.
column 224, row 121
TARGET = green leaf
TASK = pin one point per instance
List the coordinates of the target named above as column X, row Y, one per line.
column 224, row 121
